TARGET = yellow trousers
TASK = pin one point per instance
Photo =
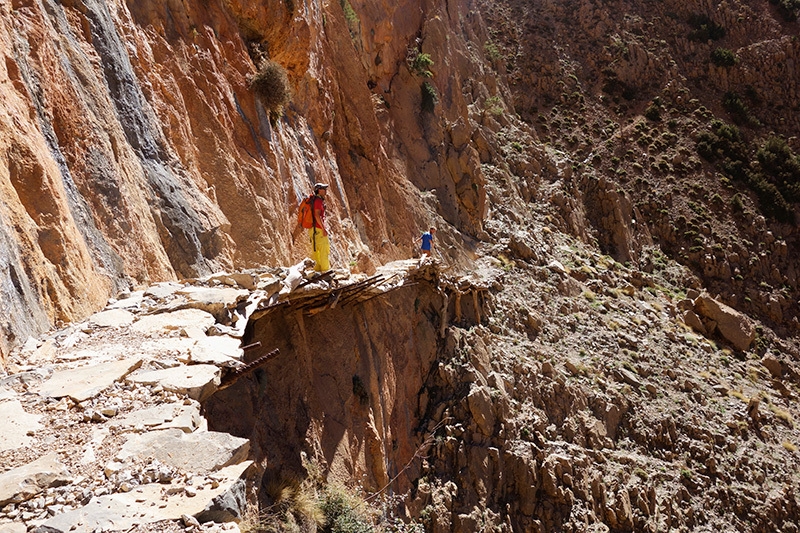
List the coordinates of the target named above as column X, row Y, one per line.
column 320, row 249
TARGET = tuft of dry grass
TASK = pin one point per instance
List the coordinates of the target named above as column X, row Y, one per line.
column 293, row 507
column 271, row 86
column 740, row 395
column 786, row 416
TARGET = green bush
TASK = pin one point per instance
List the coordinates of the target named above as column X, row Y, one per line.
column 653, row 112
column 271, row 86
column 351, row 17
column 722, row 57
column 420, row 63
column 492, row 51
column 740, row 113
column 429, row 97
column 782, row 166
column 343, row 513
column 705, row 29
column 494, row 105
column 773, row 175
column 788, row 9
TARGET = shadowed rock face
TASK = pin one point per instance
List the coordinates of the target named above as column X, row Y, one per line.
column 134, row 151
column 344, row 391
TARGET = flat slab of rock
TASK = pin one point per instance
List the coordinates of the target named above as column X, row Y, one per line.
column 242, row 279
column 15, row 424
column 113, row 318
column 217, row 350
column 177, row 347
column 162, row 291
column 85, row 382
column 133, row 301
column 202, row 452
column 164, row 323
column 122, row 511
column 215, row 300
column 13, row 527
column 23, row 483
column 196, row 381
column 167, row 416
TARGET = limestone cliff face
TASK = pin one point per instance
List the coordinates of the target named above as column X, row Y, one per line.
column 133, row 150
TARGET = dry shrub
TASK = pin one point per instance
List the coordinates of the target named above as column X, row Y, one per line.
column 291, row 507
column 271, row 86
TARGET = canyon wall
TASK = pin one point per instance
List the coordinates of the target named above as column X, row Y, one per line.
column 134, row 151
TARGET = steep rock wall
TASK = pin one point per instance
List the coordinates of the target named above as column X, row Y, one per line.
column 134, row 151
column 345, row 392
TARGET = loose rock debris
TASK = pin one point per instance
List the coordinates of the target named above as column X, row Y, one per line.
column 102, row 423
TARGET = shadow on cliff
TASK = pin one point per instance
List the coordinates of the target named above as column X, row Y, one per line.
column 346, row 391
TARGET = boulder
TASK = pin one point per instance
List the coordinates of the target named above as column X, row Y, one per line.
column 196, row 381
column 219, row 350
column 213, row 300
column 480, row 406
column 161, row 291
column 691, row 319
column 179, row 415
column 23, row 483
column 774, row 365
column 732, row 325
column 13, row 527
column 245, row 280
column 112, row 318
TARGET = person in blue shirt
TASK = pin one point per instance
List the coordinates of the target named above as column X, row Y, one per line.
column 426, row 239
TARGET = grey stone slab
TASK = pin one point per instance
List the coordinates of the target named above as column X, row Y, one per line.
column 201, row 452
column 85, row 382
column 44, row 354
column 177, row 347
column 164, row 323
column 16, row 424
column 133, row 301
column 163, row 290
column 219, row 350
column 196, row 381
column 23, row 483
column 245, row 280
column 112, row 318
column 185, row 417
column 13, row 527
column 215, row 300
column 214, row 296
column 123, row 511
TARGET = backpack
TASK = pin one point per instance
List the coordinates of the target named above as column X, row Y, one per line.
column 305, row 213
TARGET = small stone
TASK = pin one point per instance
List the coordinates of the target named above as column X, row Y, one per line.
column 190, row 491
column 55, row 509
column 190, row 521
column 109, row 411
